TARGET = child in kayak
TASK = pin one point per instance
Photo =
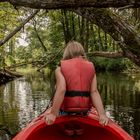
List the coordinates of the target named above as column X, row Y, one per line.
column 76, row 86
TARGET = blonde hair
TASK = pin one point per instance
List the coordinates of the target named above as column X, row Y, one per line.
column 73, row 49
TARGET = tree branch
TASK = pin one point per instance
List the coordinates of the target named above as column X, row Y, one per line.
column 2, row 42
column 63, row 4
column 51, row 60
column 107, row 54
column 38, row 36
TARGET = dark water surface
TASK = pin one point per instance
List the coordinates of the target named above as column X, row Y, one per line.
column 25, row 98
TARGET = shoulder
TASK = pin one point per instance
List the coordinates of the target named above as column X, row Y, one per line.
column 91, row 65
column 59, row 76
column 58, row 73
column 57, row 70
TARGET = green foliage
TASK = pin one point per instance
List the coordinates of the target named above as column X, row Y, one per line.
column 107, row 64
column 48, row 33
column 9, row 20
column 56, row 35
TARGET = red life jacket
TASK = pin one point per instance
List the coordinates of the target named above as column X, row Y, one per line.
column 78, row 74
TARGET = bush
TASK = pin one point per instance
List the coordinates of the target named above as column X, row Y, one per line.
column 108, row 64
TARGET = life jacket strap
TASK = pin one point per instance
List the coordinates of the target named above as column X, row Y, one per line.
column 77, row 93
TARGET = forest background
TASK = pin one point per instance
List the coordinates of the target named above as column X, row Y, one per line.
column 31, row 38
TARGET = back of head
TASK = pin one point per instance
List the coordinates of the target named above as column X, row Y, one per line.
column 73, row 49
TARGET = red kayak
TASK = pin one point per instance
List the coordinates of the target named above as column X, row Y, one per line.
column 39, row 130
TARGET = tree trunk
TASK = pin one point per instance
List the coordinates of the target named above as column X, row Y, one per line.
column 94, row 38
column 100, row 40
column 73, row 25
column 64, row 26
column 67, row 26
column 82, row 30
column 59, row 4
column 105, row 41
column 115, row 26
column 6, row 76
column 87, row 36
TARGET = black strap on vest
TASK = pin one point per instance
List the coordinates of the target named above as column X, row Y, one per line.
column 77, row 93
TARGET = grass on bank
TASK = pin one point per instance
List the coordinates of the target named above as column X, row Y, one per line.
column 30, row 69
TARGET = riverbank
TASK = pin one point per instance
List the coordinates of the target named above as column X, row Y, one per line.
column 7, row 75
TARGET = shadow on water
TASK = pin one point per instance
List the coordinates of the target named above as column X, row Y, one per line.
column 25, row 98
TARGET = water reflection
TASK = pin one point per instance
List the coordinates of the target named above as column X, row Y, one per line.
column 23, row 94
column 122, row 100
column 22, row 100
column 25, row 98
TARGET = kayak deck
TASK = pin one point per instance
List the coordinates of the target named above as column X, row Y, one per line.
column 92, row 130
column 54, row 132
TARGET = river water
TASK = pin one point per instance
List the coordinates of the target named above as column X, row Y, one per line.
column 25, row 98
